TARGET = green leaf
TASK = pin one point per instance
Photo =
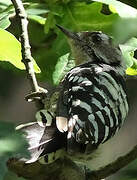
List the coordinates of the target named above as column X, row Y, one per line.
column 5, row 2
column 37, row 19
column 64, row 64
column 131, row 71
column 4, row 22
column 10, row 50
column 128, row 51
column 57, row 10
column 112, row 9
column 12, row 144
column 37, row 9
column 91, row 19
column 6, row 9
column 36, row 67
column 121, row 8
column 128, row 19
column 49, row 23
column 123, row 34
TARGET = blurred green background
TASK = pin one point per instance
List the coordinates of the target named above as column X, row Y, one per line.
column 49, row 49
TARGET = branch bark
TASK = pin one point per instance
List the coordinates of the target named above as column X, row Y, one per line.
column 114, row 166
column 65, row 169
column 61, row 169
column 26, row 48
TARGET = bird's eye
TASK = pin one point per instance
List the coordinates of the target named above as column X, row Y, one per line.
column 96, row 38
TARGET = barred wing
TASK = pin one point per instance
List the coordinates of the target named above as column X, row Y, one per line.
column 97, row 106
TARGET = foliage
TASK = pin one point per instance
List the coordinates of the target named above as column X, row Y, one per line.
column 12, row 144
column 128, row 49
column 64, row 64
column 12, row 176
column 50, row 48
column 129, row 172
column 48, row 43
column 10, row 50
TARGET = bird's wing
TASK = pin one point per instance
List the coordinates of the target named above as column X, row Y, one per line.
column 96, row 100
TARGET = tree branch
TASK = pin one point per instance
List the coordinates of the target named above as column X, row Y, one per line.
column 66, row 167
column 61, row 169
column 25, row 46
column 114, row 166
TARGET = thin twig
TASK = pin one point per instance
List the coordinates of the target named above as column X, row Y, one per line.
column 25, row 46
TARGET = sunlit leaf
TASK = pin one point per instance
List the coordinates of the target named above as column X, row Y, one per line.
column 4, row 22
column 128, row 51
column 122, row 9
column 37, row 19
column 64, row 64
column 37, row 9
column 6, row 10
column 128, row 20
column 10, row 50
column 5, row 2
column 112, row 9
column 131, row 71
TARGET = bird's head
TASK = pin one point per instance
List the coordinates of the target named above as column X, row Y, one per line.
column 93, row 46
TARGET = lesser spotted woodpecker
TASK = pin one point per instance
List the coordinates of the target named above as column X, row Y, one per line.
column 92, row 103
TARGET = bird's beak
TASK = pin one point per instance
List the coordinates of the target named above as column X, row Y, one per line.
column 68, row 33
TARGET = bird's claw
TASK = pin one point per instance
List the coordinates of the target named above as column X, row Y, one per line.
column 38, row 95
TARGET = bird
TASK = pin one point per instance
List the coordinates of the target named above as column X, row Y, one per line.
column 92, row 104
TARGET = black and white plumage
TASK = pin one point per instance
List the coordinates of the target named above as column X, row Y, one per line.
column 94, row 93
column 96, row 105
column 43, row 137
column 92, row 103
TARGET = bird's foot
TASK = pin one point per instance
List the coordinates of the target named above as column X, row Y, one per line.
column 38, row 95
